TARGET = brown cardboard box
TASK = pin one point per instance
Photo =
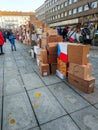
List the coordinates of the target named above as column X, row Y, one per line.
column 54, row 38
column 44, row 56
column 78, row 53
column 52, row 58
column 62, row 67
column 52, row 48
column 81, row 71
column 53, row 68
column 44, row 69
column 52, row 31
column 44, row 34
column 43, row 43
column 39, row 57
column 86, row 86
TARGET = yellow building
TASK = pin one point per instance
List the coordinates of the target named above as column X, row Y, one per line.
column 13, row 20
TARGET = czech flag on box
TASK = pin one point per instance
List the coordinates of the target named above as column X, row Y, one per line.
column 62, row 51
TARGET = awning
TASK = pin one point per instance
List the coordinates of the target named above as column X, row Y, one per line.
column 67, row 22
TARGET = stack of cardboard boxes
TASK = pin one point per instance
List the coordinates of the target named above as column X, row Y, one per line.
column 80, row 70
column 44, row 66
column 49, row 36
column 48, row 62
column 49, row 43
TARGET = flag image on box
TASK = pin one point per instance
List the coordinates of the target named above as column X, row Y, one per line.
column 62, row 52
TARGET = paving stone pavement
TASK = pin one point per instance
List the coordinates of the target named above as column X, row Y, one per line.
column 29, row 101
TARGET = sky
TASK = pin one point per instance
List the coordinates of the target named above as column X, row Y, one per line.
column 20, row 5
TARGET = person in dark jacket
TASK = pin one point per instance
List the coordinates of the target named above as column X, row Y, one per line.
column 4, row 35
column 1, row 43
column 86, row 34
column 12, row 41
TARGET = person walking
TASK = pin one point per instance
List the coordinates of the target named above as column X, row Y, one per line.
column 1, row 42
column 33, row 39
column 12, row 41
column 92, row 31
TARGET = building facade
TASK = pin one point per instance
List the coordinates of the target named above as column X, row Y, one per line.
column 12, row 20
column 69, row 12
column 40, row 13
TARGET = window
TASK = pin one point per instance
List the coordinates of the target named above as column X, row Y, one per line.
column 58, row 15
column 65, row 4
column 74, row 11
column 55, row 8
column 58, row 7
column 51, row 10
column 70, row 12
column 70, row 2
column 62, row 6
column 80, row 9
column 53, row 18
column 62, row 15
column 55, row 0
column 65, row 14
column 86, row 7
column 94, row 4
column 74, row 1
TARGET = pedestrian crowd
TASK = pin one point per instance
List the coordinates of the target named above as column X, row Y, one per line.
column 84, row 35
column 74, row 34
column 4, row 36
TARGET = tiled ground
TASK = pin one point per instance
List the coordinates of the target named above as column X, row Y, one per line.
column 33, row 102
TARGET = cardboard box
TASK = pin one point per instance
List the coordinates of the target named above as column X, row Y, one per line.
column 54, row 39
column 44, row 34
column 86, row 86
column 52, row 48
column 44, row 69
column 62, row 67
column 52, row 58
column 78, row 53
column 81, row 71
column 44, row 56
column 53, row 68
column 61, row 64
column 37, row 50
column 60, row 75
column 52, row 31
column 43, row 43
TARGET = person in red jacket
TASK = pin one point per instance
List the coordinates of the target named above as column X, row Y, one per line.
column 1, row 43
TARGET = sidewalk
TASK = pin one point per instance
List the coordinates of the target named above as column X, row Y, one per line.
column 29, row 101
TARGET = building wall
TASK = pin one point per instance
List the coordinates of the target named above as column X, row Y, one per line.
column 12, row 20
column 40, row 13
column 69, row 11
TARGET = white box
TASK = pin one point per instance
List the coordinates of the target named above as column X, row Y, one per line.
column 60, row 75
column 32, row 53
column 37, row 50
